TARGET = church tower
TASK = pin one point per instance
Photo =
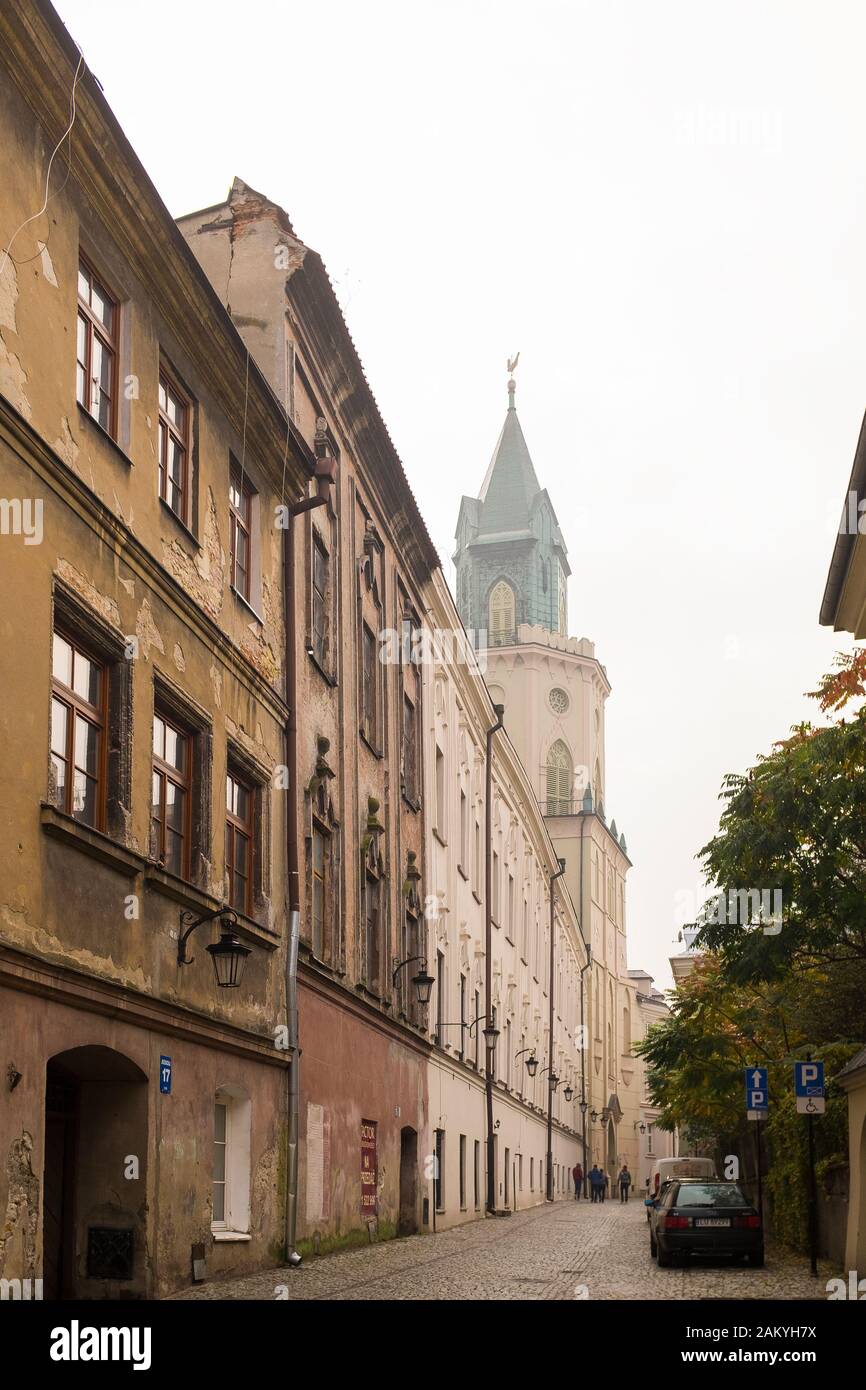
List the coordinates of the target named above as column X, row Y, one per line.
column 512, row 571
column 512, row 563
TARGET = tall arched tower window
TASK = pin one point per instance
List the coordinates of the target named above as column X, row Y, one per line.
column 559, row 780
column 501, row 616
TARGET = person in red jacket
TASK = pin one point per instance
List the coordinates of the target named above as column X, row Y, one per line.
column 577, row 1174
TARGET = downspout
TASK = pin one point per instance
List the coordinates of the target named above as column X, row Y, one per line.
column 588, row 948
column 499, row 711
column 553, row 877
column 326, row 474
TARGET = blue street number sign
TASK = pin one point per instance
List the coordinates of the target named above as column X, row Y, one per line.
column 757, row 1091
column 165, row 1075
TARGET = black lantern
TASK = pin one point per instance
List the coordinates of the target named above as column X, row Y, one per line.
column 423, row 984
column 491, row 1033
column 569, row 1092
column 228, row 955
column 583, row 1107
column 422, row 981
column 532, row 1064
column 554, row 1081
column 229, row 958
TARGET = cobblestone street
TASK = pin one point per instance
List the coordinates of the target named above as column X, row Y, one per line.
column 566, row 1251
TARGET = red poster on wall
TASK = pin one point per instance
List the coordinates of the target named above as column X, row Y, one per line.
column 369, row 1186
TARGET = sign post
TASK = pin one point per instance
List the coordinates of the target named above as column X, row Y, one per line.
column 757, row 1103
column 809, row 1089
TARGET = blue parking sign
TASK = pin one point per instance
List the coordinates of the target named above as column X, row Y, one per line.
column 757, row 1088
column 809, row 1078
column 165, row 1075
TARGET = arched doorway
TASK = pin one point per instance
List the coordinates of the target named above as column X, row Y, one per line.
column 408, row 1221
column 93, row 1202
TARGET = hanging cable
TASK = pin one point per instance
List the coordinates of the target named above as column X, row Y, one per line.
column 7, row 254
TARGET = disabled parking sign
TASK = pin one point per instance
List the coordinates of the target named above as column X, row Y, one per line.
column 809, row 1087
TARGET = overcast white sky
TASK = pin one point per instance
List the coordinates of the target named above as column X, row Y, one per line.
column 663, row 207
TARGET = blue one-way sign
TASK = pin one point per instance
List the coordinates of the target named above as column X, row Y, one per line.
column 757, row 1089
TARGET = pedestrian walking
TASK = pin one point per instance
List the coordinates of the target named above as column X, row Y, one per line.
column 596, row 1183
column 624, row 1182
column 605, row 1184
column 577, row 1174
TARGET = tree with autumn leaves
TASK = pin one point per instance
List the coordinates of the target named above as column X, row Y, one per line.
column 795, row 822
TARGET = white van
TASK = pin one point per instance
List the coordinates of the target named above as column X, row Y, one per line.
column 664, row 1169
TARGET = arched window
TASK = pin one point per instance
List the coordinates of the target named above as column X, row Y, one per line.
column 501, row 617
column 559, row 777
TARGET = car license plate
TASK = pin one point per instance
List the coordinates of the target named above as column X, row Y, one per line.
column 712, row 1221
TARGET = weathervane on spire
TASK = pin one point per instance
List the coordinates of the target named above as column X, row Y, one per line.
column 512, row 385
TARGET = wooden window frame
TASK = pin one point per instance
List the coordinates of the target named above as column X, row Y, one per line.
column 410, row 760
column 166, row 429
column 320, row 640
column 235, row 826
column 373, row 930
column 78, row 707
column 110, row 342
column 221, row 1223
column 323, row 833
column 239, row 522
column 369, row 714
column 167, row 772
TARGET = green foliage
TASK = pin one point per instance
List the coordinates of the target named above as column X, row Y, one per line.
column 787, row 1134
column 796, row 822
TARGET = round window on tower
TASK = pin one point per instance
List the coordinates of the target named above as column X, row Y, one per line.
column 559, row 701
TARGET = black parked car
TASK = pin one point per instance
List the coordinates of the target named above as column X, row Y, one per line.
column 705, row 1218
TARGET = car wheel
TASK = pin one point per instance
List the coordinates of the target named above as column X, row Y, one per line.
column 653, row 1246
column 757, row 1260
column 665, row 1260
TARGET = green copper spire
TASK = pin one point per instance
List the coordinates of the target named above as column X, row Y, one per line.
column 510, row 534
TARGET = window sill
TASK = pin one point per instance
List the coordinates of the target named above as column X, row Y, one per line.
column 179, row 890
column 179, row 523
column 89, row 421
column 437, row 835
column 477, row 896
column 369, row 745
column 245, row 603
column 224, row 1237
column 95, row 843
column 327, row 676
column 462, row 872
column 412, row 802
column 253, row 927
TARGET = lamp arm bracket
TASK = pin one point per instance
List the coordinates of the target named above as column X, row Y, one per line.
column 191, row 922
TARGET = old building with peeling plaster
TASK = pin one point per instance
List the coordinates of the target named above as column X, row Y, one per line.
column 142, row 1107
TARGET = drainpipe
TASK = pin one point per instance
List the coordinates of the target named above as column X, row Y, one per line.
column 553, row 877
column 588, row 948
column 326, row 476
column 499, row 711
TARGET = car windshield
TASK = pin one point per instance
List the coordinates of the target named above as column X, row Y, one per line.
column 706, row 1194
